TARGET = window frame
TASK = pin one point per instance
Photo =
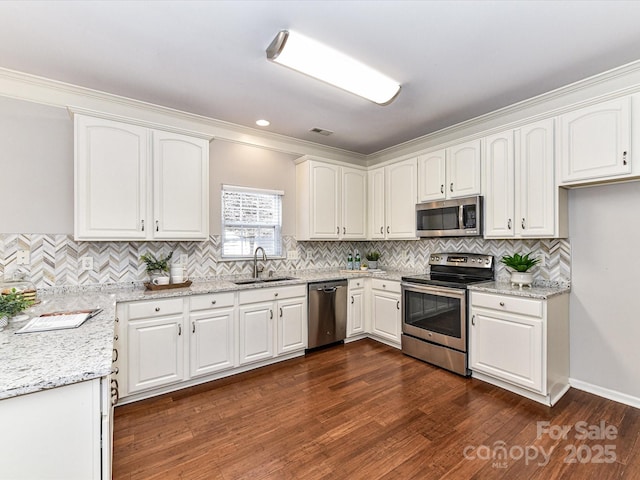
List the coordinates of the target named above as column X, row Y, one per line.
column 251, row 190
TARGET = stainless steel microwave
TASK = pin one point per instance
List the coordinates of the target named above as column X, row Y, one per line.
column 458, row 217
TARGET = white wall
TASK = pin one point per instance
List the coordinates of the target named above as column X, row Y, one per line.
column 36, row 168
column 605, row 287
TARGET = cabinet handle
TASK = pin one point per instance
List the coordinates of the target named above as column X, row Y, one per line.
column 502, row 304
column 115, row 371
column 179, row 329
column 523, row 224
column 398, row 304
column 473, row 320
column 270, row 314
column 115, row 392
column 157, row 309
column 387, row 229
column 157, row 226
column 142, row 221
column 114, row 356
column 213, row 302
column 381, row 229
column 344, row 230
column 280, row 312
column 624, row 158
column 338, row 230
column 509, row 224
column 193, row 327
column 451, row 187
column 442, row 188
column 352, row 300
column 115, row 337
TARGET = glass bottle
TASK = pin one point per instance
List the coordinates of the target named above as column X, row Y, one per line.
column 349, row 262
column 356, row 263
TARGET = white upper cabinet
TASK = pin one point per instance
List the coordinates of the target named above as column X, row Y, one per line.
column 450, row 173
column 594, row 142
column 331, row 201
column 392, row 201
column 521, row 199
column 137, row 183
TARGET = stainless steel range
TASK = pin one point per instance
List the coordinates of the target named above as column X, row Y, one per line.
column 434, row 308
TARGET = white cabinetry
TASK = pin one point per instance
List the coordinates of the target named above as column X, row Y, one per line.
column 330, row 201
column 57, row 433
column 273, row 321
column 595, row 141
column 212, row 340
column 155, row 346
column 521, row 198
column 386, row 322
column 356, row 312
column 521, row 344
column 392, row 201
column 450, row 173
column 138, row 183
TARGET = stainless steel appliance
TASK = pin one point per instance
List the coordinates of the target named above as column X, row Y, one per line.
column 434, row 308
column 327, row 313
column 459, row 217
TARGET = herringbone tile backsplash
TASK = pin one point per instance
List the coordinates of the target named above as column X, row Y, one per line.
column 55, row 258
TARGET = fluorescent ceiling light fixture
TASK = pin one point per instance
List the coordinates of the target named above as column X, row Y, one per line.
column 319, row 61
column 263, row 123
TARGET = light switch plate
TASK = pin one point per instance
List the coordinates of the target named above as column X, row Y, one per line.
column 184, row 259
column 23, row 257
column 86, row 263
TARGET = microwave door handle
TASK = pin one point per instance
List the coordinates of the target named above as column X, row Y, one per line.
column 461, row 216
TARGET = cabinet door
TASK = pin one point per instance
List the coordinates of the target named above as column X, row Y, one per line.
column 325, row 200
column 111, row 162
column 536, row 199
column 508, row 347
column 292, row 323
column 386, row 315
column 181, row 187
column 595, row 141
column 375, row 205
column 355, row 314
column 498, row 173
column 212, row 341
column 400, row 199
column 463, row 170
column 431, row 176
column 155, row 351
column 354, row 199
column 256, row 332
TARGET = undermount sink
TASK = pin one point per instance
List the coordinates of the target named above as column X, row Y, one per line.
column 251, row 281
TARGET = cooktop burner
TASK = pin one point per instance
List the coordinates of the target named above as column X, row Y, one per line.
column 456, row 270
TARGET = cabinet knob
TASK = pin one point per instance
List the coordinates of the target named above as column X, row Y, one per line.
column 451, row 187
column 213, row 302
column 115, row 370
column 624, row 158
column 523, row 224
column 502, row 304
column 384, row 285
column 157, row 309
column 115, row 337
column 442, row 188
column 275, row 294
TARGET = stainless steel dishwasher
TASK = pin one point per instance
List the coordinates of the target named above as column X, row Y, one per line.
column 327, row 312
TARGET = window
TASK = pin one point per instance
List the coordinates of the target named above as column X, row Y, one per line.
column 251, row 218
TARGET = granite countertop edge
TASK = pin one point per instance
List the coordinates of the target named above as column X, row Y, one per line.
column 540, row 291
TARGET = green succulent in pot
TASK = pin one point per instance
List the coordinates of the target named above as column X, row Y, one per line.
column 155, row 264
column 519, row 263
column 13, row 303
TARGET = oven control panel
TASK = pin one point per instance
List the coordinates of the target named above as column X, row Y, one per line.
column 473, row 260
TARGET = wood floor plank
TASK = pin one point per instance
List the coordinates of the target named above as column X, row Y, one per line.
column 363, row 411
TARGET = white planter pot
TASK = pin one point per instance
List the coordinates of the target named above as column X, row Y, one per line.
column 522, row 279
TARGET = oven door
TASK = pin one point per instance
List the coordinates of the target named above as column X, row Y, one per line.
column 435, row 314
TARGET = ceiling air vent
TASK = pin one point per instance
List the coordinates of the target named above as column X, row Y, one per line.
column 321, row 131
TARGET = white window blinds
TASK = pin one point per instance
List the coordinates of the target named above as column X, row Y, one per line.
column 251, row 218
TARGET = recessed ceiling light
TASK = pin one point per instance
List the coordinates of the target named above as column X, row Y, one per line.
column 331, row 66
column 263, row 123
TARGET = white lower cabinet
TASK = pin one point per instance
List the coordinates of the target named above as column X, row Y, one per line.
column 356, row 312
column 273, row 321
column 386, row 321
column 521, row 344
column 61, row 432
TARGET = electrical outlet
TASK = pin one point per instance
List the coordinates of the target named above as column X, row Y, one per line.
column 292, row 255
column 86, row 263
column 184, row 259
column 23, row 257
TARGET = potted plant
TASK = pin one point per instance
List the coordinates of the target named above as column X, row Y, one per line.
column 520, row 264
column 373, row 258
column 156, row 267
column 11, row 304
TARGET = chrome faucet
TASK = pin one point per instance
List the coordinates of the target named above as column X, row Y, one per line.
column 256, row 269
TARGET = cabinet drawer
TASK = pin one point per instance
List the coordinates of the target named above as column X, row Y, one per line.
column 270, row 294
column 356, row 283
column 155, row 308
column 211, row 300
column 387, row 285
column 506, row 303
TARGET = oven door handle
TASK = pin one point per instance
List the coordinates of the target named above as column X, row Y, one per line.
column 455, row 292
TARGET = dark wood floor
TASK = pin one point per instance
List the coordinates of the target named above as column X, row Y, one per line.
column 366, row 411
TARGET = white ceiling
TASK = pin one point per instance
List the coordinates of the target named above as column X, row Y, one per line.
column 455, row 59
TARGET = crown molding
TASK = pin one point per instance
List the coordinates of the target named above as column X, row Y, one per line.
column 24, row 86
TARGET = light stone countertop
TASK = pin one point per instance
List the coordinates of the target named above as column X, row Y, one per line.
column 37, row 361
column 537, row 291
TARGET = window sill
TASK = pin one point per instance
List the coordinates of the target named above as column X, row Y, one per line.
column 248, row 259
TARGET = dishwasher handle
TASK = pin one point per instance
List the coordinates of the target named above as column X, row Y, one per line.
column 328, row 289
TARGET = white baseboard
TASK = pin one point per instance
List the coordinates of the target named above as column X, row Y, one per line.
column 605, row 393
